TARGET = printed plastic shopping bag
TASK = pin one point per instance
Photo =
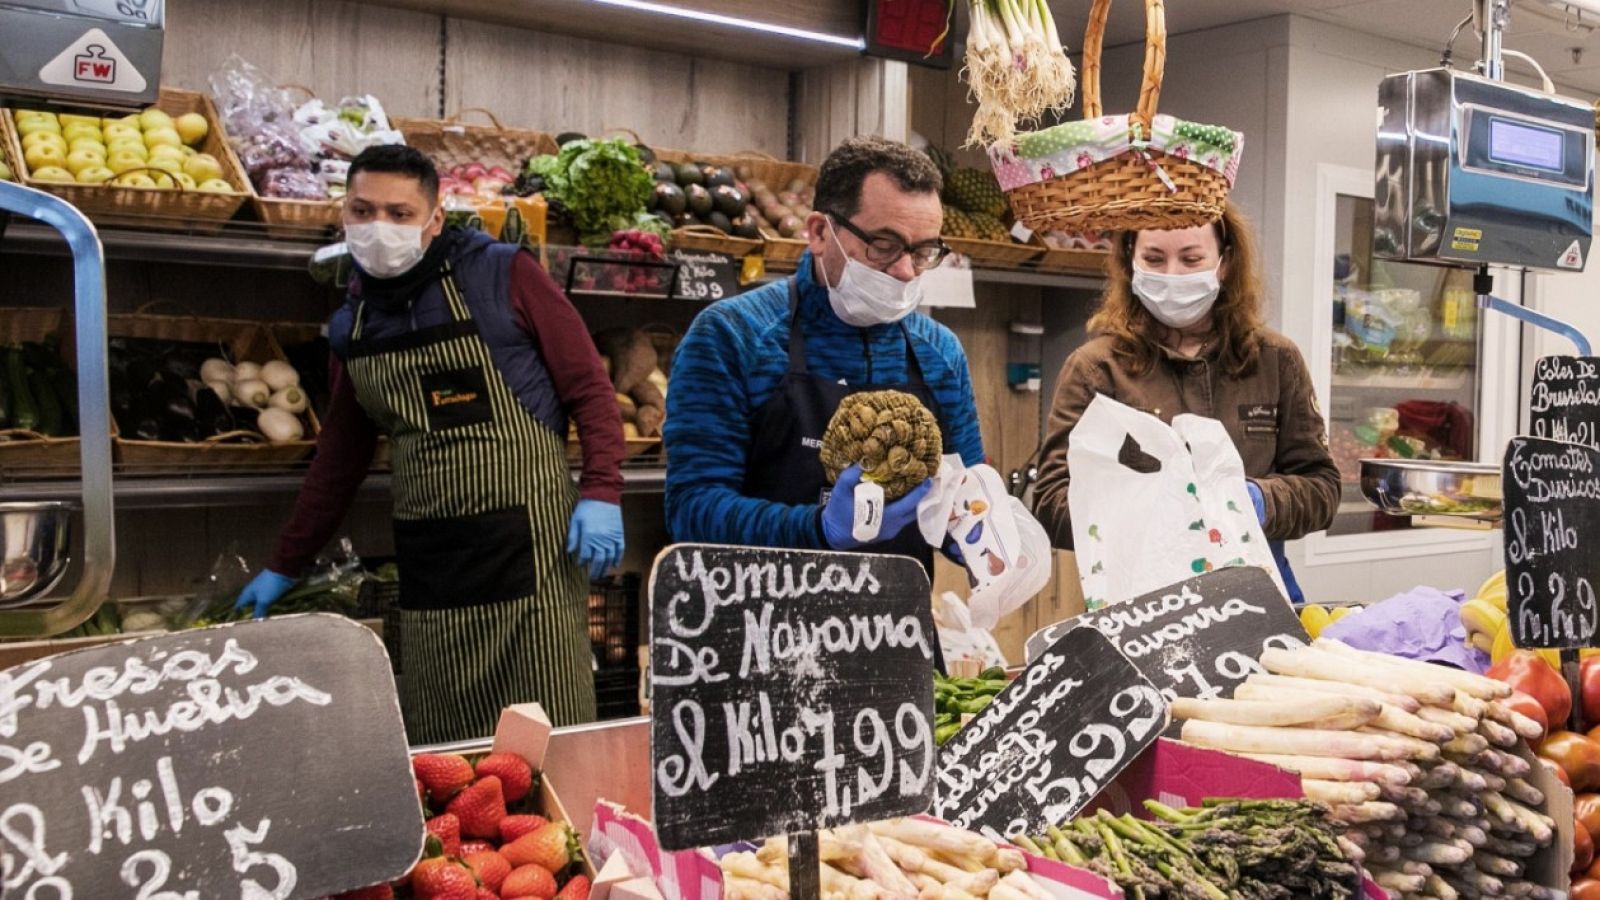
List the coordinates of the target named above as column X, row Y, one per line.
column 1224, row 497
column 1006, row 551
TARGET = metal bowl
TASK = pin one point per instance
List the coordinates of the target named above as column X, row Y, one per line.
column 1403, row 487
column 35, row 542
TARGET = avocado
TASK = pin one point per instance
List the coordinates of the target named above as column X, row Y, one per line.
column 663, row 171
column 720, row 222
column 791, row 226
column 700, row 202
column 669, row 198
column 646, row 155
column 717, row 175
column 745, row 227
column 567, row 137
column 689, row 173
column 727, row 200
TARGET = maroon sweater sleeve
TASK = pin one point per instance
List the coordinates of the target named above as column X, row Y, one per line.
column 575, row 370
column 344, row 453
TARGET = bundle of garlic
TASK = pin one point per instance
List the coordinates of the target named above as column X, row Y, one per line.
column 900, row 859
column 1419, row 762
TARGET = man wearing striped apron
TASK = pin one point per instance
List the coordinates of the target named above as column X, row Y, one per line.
column 465, row 354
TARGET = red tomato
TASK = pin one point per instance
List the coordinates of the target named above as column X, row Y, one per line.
column 1582, row 847
column 1585, row 889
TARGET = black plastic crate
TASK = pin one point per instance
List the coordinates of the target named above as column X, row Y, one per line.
column 616, row 692
column 614, row 621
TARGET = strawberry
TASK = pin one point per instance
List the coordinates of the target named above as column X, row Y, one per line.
column 480, row 808
column 491, row 868
column 440, row 878
column 553, row 847
column 443, row 774
column 513, row 827
column 375, row 892
column 470, row 847
column 529, row 882
column 447, row 828
column 576, row 889
column 422, row 792
column 516, row 776
column 486, row 894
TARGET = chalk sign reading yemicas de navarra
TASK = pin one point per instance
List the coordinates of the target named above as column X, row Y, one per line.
column 792, row 690
column 1552, row 522
column 259, row 760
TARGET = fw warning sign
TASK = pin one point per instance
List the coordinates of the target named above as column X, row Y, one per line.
column 93, row 60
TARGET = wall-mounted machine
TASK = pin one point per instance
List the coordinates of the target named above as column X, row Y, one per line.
column 102, row 54
column 1475, row 172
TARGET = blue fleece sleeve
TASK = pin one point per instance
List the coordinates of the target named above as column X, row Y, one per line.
column 707, row 436
column 953, row 389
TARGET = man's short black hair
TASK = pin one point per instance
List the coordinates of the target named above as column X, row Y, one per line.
column 398, row 159
column 847, row 167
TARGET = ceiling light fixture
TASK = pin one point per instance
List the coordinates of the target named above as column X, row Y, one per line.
column 855, row 43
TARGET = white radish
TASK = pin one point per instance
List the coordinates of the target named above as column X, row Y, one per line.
column 254, row 393
column 290, row 399
column 279, row 427
column 1407, row 703
column 223, row 390
column 1477, row 685
column 1286, row 711
column 279, row 375
column 246, row 371
column 1290, row 741
column 216, row 369
column 1308, row 662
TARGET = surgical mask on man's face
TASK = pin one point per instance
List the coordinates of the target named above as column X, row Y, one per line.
column 385, row 249
column 1177, row 301
column 865, row 296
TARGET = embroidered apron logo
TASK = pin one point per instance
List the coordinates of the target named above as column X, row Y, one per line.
column 1259, row 418
column 450, row 396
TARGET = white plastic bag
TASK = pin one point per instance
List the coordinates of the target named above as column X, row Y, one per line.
column 961, row 639
column 1147, row 512
column 1006, row 551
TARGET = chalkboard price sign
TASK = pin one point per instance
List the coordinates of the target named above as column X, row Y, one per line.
column 1050, row 741
column 1552, row 516
column 1199, row 638
column 705, row 276
column 1565, row 400
column 259, row 760
column 793, row 690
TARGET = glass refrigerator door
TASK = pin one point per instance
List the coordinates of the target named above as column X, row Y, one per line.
column 1405, row 364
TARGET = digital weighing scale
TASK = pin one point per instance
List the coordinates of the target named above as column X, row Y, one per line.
column 81, row 54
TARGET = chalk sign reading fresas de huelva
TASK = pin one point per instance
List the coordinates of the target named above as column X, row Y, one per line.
column 254, row 761
column 1564, row 402
column 792, row 690
column 1552, row 525
column 1199, row 638
column 1050, row 741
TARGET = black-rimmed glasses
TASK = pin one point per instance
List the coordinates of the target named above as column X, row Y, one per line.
column 884, row 250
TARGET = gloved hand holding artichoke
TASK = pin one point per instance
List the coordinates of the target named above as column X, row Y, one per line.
column 890, row 434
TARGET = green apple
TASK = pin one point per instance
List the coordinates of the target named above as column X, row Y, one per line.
column 203, row 167
column 43, row 123
column 216, row 186
column 53, row 174
column 184, row 181
column 166, row 151
column 189, row 151
column 5, row 172
column 128, row 145
column 119, row 130
column 165, row 164
column 74, row 119
column 37, row 138
column 192, row 127
column 135, row 179
column 152, row 119
column 78, row 160
column 155, row 137
column 92, row 145
column 80, row 130
column 95, row 175
column 44, row 155
column 122, row 161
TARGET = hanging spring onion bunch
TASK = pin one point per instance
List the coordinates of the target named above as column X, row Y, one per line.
column 1016, row 68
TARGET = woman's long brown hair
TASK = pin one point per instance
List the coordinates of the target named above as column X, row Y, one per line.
column 1237, row 314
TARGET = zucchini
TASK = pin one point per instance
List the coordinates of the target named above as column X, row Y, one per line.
column 44, row 396
column 66, row 388
column 24, row 414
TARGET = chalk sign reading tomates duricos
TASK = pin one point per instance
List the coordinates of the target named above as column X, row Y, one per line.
column 792, row 690
column 1564, row 402
column 259, row 760
column 1552, row 514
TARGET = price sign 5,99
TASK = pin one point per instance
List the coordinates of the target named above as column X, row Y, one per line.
column 1051, row 740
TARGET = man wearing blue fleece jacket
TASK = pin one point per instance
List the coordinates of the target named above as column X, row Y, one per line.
column 757, row 378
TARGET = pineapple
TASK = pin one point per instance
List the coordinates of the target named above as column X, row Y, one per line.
column 958, row 224
column 969, row 189
column 989, row 227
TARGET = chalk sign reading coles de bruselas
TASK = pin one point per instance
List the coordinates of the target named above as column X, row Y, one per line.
column 253, row 761
column 1552, row 523
column 792, row 690
column 1198, row 638
column 1564, row 402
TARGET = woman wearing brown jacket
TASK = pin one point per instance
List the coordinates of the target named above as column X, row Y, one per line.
column 1180, row 330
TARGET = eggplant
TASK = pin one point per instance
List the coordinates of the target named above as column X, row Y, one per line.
column 178, row 429
column 140, row 373
column 181, row 367
column 211, row 413
column 244, row 417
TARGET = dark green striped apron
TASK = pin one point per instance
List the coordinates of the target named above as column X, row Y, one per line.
column 492, row 609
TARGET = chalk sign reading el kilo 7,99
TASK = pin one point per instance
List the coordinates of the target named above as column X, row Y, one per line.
column 1552, row 518
column 793, row 690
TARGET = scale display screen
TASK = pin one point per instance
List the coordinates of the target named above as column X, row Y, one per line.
column 1521, row 144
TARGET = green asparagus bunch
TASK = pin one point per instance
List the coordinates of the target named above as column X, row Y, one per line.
column 1224, row 850
column 957, row 697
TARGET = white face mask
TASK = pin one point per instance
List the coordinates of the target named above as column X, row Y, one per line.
column 1177, row 301
column 385, row 249
column 866, row 296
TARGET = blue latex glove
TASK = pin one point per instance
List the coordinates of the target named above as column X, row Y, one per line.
column 839, row 515
column 263, row 591
column 1259, row 501
column 595, row 536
